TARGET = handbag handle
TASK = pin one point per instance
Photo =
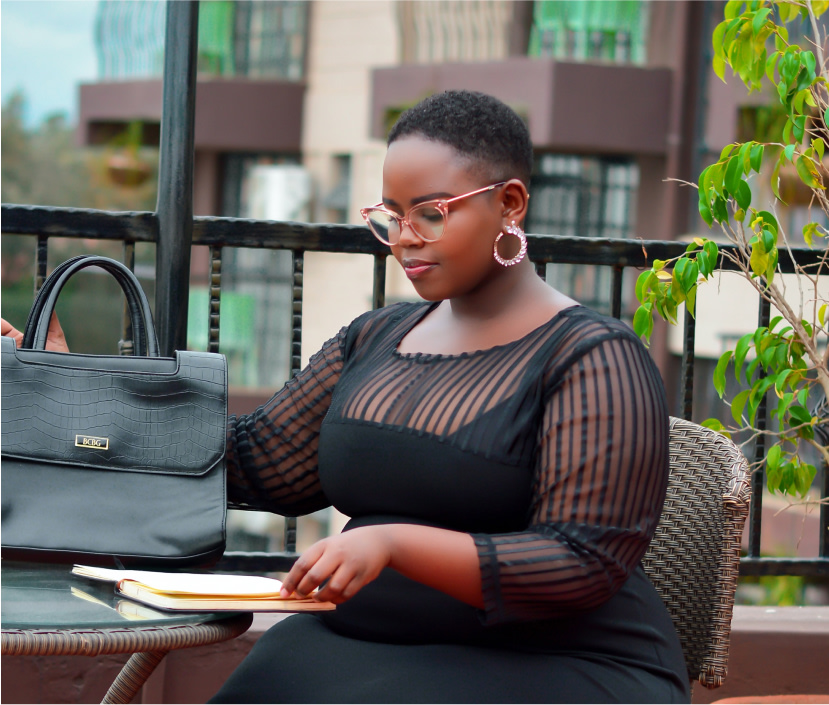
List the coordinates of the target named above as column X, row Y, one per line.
column 37, row 325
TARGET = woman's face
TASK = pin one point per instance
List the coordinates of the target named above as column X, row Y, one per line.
column 417, row 170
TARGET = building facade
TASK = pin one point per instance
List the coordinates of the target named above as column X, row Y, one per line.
column 294, row 100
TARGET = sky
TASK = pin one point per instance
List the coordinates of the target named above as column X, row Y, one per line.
column 46, row 49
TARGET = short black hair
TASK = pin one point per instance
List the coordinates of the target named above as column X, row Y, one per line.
column 477, row 126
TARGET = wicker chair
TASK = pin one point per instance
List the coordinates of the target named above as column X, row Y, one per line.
column 693, row 560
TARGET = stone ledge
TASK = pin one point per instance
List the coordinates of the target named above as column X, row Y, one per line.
column 807, row 620
column 775, row 651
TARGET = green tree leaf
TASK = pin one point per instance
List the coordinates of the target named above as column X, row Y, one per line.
column 769, row 221
column 800, row 415
column 760, row 19
column 737, row 406
column 643, row 322
column 705, row 211
column 716, row 425
column 643, row 283
column 807, row 60
column 719, row 372
column 759, row 260
column 805, row 168
column 740, row 352
column 743, row 197
column 773, row 458
column 768, row 240
column 756, row 156
column 712, row 251
column 719, row 209
column 733, row 174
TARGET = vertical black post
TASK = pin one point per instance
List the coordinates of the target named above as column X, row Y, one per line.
column 823, row 540
column 378, row 296
column 755, row 511
column 616, row 293
column 126, row 346
column 688, row 344
column 175, row 176
column 41, row 257
column 215, row 300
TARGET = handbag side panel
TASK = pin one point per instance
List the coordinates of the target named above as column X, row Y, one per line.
column 65, row 514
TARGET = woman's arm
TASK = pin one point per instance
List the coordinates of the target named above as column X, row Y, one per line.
column 601, row 476
column 272, row 453
column 442, row 559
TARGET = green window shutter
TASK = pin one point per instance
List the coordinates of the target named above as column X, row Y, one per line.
column 216, row 31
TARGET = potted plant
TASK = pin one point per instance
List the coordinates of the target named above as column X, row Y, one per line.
column 125, row 167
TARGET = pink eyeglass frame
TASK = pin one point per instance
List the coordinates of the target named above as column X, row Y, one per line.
column 442, row 204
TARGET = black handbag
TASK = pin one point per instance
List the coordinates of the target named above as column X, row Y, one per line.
column 106, row 459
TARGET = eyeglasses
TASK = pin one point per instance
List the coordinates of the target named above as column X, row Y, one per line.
column 427, row 220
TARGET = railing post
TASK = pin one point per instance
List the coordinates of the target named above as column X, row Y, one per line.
column 688, row 345
column 755, row 512
column 175, row 176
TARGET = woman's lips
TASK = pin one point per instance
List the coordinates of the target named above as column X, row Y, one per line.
column 415, row 268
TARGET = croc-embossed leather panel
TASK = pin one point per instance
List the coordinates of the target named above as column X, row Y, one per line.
column 46, row 406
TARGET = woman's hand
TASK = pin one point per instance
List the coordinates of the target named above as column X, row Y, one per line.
column 10, row 331
column 55, row 339
column 442, row 559
column 348, row 561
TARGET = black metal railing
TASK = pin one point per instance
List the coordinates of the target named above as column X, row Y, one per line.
column 622, row 257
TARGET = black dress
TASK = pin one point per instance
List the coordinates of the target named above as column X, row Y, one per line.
column 551, row 451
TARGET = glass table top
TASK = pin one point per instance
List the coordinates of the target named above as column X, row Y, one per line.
column 46, row 596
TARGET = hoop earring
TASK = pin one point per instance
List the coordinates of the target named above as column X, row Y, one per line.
column 511, row 229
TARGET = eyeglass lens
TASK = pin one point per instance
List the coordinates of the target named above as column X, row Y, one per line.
column 426, row 220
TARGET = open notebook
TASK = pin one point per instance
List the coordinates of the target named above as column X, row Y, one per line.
column 202, row 592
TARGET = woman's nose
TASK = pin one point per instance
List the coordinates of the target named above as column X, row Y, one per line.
column 408, row 236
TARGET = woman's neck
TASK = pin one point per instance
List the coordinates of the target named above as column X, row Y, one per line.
column 516, row 293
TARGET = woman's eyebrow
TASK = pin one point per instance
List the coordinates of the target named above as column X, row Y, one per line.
column 420, row 199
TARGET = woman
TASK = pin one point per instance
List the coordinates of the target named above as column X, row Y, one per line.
column 502, row 451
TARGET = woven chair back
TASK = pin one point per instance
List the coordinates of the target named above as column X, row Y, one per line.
column 693, row 560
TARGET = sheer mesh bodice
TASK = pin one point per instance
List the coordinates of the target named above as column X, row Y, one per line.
column 551, row 451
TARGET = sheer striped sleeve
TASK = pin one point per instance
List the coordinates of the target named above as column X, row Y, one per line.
column 601, row 475
column 272, row 453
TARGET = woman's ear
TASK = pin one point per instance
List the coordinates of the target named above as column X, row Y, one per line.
column 515, row 200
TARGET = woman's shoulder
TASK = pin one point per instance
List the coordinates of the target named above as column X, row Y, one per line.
column 579, row 330
column 587, row 326
column 384, row 323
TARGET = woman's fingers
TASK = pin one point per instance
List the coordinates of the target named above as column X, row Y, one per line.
column 339, row 565
column 300, row 569
column 341, row 586
column 10, row 331
column 55, row 340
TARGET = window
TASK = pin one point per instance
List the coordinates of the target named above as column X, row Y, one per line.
column 582, row 197
column 613, row 30
column 265, row 187
column 262, row 39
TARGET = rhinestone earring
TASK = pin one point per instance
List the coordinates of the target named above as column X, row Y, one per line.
column 511, row 229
